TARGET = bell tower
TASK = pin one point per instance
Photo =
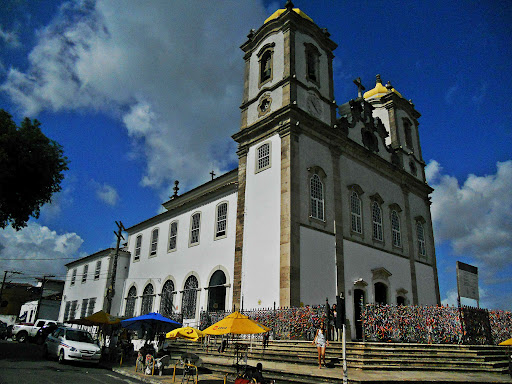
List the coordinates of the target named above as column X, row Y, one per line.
column 288, row 87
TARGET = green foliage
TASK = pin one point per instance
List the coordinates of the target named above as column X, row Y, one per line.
column 31, row 170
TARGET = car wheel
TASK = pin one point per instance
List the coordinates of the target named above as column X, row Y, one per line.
column 62, row 360
column 45, row 351
column 21, row 337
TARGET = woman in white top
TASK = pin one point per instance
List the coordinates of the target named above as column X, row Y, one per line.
column 321, row 342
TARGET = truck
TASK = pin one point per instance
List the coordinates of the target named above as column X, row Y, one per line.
column 24, row 331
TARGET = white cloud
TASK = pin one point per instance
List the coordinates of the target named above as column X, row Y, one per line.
column 171, row 72
column 9, row 38
column 106, row 193
column 476, row 217
column 19, row 251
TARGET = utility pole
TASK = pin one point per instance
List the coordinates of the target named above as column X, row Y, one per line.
column 41, row 295
column 3, row 283
column 112, row 288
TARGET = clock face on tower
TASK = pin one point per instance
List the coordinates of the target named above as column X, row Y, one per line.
column 314, row 105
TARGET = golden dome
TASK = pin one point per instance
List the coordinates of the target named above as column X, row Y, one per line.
column 279, row 12
column 379, row 90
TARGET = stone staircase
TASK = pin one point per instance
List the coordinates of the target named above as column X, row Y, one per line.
column 289, row 361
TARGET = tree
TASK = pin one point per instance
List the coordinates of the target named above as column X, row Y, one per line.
column 31, row 170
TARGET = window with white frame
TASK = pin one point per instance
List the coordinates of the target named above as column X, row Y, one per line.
column 72, row 311
column 263, row 160
column 221, row 220
column 166, row 301
column 66, row 310
column 138, row 245
column 130, row 302
column 377, row 221
column 195, row 224
column 98, row 270
column 316, row 190
column 73, row 277
column 147, row 299
column 420, row 233
column 84, row 308
column 92, row 304
column 189, row 298
column 355, row 213
column 154, row 242
column 86, row 270
column 173, row 235
column 395, row 227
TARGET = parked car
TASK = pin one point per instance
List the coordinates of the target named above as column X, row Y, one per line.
column 72, row 344
column 24, row 331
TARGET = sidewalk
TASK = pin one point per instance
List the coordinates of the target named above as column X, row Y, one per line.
column 354, row 375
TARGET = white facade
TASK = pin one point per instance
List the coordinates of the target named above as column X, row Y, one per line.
column 326, row 200
column 87, row 281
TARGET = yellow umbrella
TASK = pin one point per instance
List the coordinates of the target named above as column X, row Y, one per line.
column 187, row 333
column 506, row 342
column 236, row 323
column 98, row 318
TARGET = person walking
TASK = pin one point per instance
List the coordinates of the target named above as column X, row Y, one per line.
column 321, row 343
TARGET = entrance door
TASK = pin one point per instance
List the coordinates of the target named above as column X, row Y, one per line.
column 381, row 294
column 359, row 302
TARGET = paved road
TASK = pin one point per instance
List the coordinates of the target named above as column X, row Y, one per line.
column 24, row 364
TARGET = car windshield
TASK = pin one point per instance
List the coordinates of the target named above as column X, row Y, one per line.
column 81, row 336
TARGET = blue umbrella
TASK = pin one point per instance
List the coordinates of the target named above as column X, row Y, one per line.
column 155, row 321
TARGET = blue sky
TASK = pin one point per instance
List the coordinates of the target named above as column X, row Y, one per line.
column 141, row 94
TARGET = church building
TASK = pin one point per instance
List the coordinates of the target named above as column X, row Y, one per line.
column 327, row 199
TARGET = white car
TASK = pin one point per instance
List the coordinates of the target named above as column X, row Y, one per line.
column 72, row 344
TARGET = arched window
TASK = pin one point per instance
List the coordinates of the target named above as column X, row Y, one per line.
column 195, row 223
column 166, row 300
column 263, row 157
column 355, row 212
column 395, row 227
column 421, row 239
column 217, row 292
column 189, row 300
column 130, row 302
column 173, row 235
column 154, row 241
column 381, row 293
column 138, row 245
column 266, row 67
column 147, row 299
column 221, row 220
column 377, row 221
column 312, row 62
column 316, row 190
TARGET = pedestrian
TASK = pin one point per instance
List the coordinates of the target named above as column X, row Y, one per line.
column 265, row 339
column 321, row 343
column 332, row 323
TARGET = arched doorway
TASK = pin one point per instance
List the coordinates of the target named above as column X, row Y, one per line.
column 381, row 293
column 359, row 302
column 147, row 299
column 189, row 300
column 130, row 302
column 217, row 292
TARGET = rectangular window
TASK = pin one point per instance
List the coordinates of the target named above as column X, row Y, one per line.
column 355, row 212
column 92, row 303
column 98, row 270
column 84, row 308
column 173, row 235
column 222, row 219
column 154, row 242
column 421, row 240
column 138, row 245
column 86, row 270
column 72, row 311
column 194, row 228
column 73, row 277
column 263, row 157
column 66, row 310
